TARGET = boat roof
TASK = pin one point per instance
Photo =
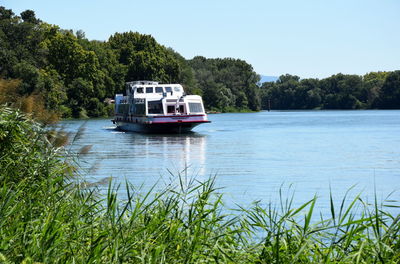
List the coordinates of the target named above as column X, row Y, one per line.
column 141, row 83
column 135, row 86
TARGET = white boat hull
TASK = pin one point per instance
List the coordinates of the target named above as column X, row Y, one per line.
column 160, row 124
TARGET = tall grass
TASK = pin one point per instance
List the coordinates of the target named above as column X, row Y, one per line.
column 33, row 104
column 46, row 216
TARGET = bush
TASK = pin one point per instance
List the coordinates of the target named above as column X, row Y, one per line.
column 95, row 108
column 48, row 217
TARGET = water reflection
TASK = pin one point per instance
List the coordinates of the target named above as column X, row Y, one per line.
column 145, row 159
column 164, row 151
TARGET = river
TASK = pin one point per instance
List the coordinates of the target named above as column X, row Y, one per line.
column 253, row 155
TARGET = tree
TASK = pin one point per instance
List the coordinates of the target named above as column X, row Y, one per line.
column 282, row 94
column 69, row 58
column 5, row 13
column 232, row 79
column 95, row 108
column 390, row 92
column 79, row 92
column 29, row 75
column 373, row 83
column 343, row 92
column 29, row 17
column 186, row 74
column 144, row 57
column 52, row 89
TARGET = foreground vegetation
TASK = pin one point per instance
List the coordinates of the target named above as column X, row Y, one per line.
column 48, row 215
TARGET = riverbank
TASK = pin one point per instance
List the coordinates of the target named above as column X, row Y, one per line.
column 48, row 216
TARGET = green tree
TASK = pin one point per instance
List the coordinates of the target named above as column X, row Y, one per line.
column 186, row 74
column 373, row 83
column 5, row 13
column 95, row 108
column 390, row 92
column 69, row 58
column 144, row 57
column 312, row 94
column 79, row 92
column 29, row 16
column 344, row 92
column 52, row 88
column 29, row 75
column 282, row 94
column 214, row 76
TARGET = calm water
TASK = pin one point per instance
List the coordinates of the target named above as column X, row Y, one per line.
column 253, row 154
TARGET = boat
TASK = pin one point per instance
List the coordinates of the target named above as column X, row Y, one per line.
column 150, row 107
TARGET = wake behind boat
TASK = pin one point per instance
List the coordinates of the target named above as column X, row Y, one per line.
column 151, row 107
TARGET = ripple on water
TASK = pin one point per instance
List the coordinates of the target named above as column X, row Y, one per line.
column 254, row 154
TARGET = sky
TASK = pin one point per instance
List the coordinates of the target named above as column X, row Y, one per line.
column 308, row 38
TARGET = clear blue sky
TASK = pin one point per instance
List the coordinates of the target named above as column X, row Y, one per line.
column 308, row 38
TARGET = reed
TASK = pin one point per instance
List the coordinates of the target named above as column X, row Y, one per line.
column 47, row 216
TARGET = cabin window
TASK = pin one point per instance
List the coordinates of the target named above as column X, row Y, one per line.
column 171, row 109
column 168, row 89
column 123, row 109
column 139, row 90
column 119, row 109
column 159, row 90
column 149, row 89
column 177, row 89
column 195, row 108
column 155, row 107
column 140, row 109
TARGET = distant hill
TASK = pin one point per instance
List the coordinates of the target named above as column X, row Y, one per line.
column 265, row 78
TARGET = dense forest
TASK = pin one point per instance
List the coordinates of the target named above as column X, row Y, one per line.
column 52, row 72
column 45, row 67
column 373, row 90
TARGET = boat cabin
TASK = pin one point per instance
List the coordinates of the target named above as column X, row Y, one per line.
column 149, row 98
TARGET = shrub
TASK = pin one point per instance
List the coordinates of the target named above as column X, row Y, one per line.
column 48, row 217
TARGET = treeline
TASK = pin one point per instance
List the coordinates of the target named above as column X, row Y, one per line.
column 371, row 91
column 53, row 72
column 64, row 73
